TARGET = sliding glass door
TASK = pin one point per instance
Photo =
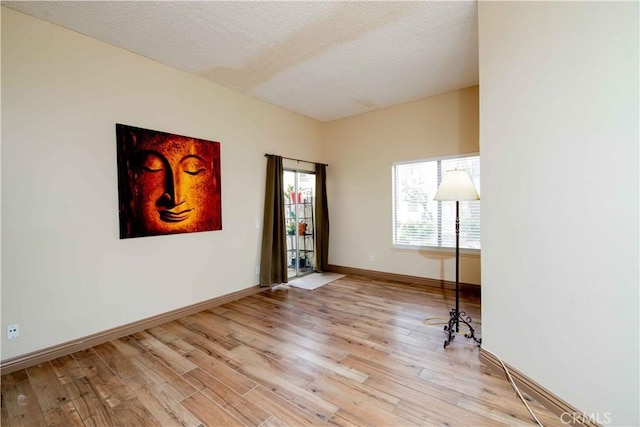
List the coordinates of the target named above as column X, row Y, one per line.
column 299, row 198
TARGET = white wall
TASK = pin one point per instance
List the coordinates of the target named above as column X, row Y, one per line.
column 65, row 273
column 559, row 151
column 361, row 151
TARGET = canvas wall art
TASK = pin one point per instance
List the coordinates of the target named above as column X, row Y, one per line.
column 167, row 183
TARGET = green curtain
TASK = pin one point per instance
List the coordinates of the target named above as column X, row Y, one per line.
column 273, row 261
column 322, row 219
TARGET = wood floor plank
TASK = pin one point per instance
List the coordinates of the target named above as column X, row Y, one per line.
column 163, row 353
column 343, row 418
column 508, row 410
column 92, row 365
column 148, row 378
column 354, row 352
column 287, row 346
column 67, row 369
column 15, row 378
column 162, row 400
column 163, row 334
column 295, row 372
column 338, row 367
column 118, row 362
column 202, row 327
column 21, row 405
column 49, row 392
column 437, row 412
column 134, row 414
column 263, row 345
column 408, row 343
column 291, row 415
column 293, row 325
column 103, row 380
column 245, row 354
column 274, row 421
column 238, row 406
column 158, row 372
column 127, row 346
column 225, row 374
column 409, row 388
column 213, row 349
column 369, row 367
column 213, row 320
column 348, row 396
column 291, row 393
column 472, row 385
column 91, row 407
column 209, row 412
column 364, row 413
column 4, row 415
column 290, row 309
column 65, row 415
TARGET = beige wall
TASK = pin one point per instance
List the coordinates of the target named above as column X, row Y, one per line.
column 361, row 151
column 65, row 273
column 559, row 152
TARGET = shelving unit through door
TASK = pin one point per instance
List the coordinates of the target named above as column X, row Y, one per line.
column 299, row 221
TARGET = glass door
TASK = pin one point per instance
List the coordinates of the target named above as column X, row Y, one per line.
column 299, row 197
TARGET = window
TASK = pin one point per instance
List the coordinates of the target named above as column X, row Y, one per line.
column 420, row 221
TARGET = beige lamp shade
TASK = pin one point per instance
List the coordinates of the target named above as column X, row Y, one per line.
column 456, row 185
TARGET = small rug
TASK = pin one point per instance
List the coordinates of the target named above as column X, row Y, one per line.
column 314, row 280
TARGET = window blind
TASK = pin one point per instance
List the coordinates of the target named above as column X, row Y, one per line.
column 420, row 221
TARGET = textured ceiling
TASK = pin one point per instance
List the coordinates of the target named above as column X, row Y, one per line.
column 323, row 59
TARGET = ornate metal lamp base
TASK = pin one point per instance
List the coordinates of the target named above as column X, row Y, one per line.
column 453, row 327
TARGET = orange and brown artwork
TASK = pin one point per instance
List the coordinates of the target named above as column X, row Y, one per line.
column 167, row 183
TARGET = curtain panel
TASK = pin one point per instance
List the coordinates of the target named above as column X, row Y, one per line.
column 322, row 219
column 273, row 261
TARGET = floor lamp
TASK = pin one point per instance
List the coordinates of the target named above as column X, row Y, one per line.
column 456, row 186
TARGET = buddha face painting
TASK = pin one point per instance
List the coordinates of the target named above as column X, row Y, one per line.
column 167, row 183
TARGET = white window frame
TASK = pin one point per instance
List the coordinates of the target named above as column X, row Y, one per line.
column 394, row 208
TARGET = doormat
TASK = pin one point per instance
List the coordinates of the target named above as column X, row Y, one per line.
column 314, row 280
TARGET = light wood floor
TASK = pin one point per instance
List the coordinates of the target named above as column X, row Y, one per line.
column 354, row 352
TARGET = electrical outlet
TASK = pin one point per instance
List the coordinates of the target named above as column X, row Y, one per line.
column 372, row 258
column 257, row 270
column 13, row 331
